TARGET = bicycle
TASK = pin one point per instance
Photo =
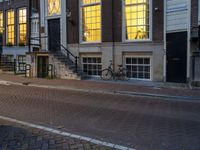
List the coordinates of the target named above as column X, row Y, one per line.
column 121, row 74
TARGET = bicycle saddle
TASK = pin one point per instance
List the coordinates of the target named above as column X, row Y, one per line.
column 119, row 65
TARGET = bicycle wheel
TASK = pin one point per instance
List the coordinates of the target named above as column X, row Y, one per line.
column 106, row 74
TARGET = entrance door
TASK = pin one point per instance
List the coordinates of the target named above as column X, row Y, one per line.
column 177, row 57
column 54, row 35
column 42, row 67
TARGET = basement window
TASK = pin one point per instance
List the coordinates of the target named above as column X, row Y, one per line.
column 92, row 65
column 140, row 68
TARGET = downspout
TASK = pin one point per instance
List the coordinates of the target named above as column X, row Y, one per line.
column 29, row 22
column 113, row 36
column 165, row 43
column 189, row 44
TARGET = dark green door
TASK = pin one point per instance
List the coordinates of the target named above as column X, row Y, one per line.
column 42, row 67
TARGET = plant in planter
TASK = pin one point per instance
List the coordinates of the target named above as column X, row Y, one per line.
column 9, row 44
column 21, row 44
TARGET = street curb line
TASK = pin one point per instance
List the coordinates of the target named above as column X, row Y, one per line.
column 59, row 132
column 127, row 93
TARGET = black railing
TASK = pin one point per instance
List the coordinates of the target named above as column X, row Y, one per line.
column 69, row 54
column 50, row 71
column 27, row 70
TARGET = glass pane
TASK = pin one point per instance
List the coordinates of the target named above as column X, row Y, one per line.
column 54, row 7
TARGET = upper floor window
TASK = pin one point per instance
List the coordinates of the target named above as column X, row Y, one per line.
column 10, row 27
column 91, row 20
column 22, row 26
column 54, row 7
column 1, row 22
column 136, row 14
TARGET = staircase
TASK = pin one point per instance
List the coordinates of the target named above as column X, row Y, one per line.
column 65, row 64
column 64, row 67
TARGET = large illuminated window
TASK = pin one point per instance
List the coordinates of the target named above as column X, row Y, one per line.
column 136, row 19
column 1, row 22
column 54, row 7
column 10, row 27
column 91, row 20
column 22, row 26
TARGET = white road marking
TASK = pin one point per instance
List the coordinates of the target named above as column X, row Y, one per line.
column 2, row 82
column 59, row 132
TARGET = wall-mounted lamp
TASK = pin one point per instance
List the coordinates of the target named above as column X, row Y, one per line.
column 69, row 13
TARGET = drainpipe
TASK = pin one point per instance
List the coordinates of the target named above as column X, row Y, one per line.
column 165, row 44
column 29, row 24
column 189, row 44
column 113, row 35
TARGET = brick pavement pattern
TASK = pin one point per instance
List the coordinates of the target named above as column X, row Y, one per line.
column 109, row 86
column 17, row 137
column 137, row 122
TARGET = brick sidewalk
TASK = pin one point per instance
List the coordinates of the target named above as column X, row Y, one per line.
column 107, row 86
column 18, row 137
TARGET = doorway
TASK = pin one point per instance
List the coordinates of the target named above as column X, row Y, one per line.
column 54, row 35
column 42, row 66
column 177, row 57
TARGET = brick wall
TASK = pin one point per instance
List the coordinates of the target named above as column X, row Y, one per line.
column 194, row 13
column 158, row 20
column 112, row 23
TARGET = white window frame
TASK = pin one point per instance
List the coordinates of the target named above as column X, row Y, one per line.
column 124, row 24
column 80, row 23
column 82, row 63
column 151, row 66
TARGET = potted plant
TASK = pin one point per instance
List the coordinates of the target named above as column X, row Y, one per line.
column 21, row 44
column 9, row 44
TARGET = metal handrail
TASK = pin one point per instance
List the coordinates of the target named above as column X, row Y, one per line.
column 61, row 45
column 50, row 69
column 27, row 70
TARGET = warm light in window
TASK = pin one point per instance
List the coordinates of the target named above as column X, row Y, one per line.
column 137, row 19
column 53, row 7
column 22, row 26
column 10, row 27
column 91, row 21
column 1, row 22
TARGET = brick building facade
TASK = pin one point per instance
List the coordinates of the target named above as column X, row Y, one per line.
column 14, row 29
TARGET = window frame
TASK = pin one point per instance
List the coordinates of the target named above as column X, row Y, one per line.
column 81, row 22
column 14, row 24
column 83, row 63
column 18, row 25
column 124, row 25
column 2, row 27
column 137, row 57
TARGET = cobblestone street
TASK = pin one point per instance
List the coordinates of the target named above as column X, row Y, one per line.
column 18, row 137
column 132, row 121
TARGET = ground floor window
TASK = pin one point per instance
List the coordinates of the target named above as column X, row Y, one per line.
column 21, row 62
column 140, row 68
column 92, row 65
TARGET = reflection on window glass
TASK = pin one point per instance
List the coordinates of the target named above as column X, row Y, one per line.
column 54, row 7
column 137, row 19
column 91, row 21
column 22, row 26
column 10, row 27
